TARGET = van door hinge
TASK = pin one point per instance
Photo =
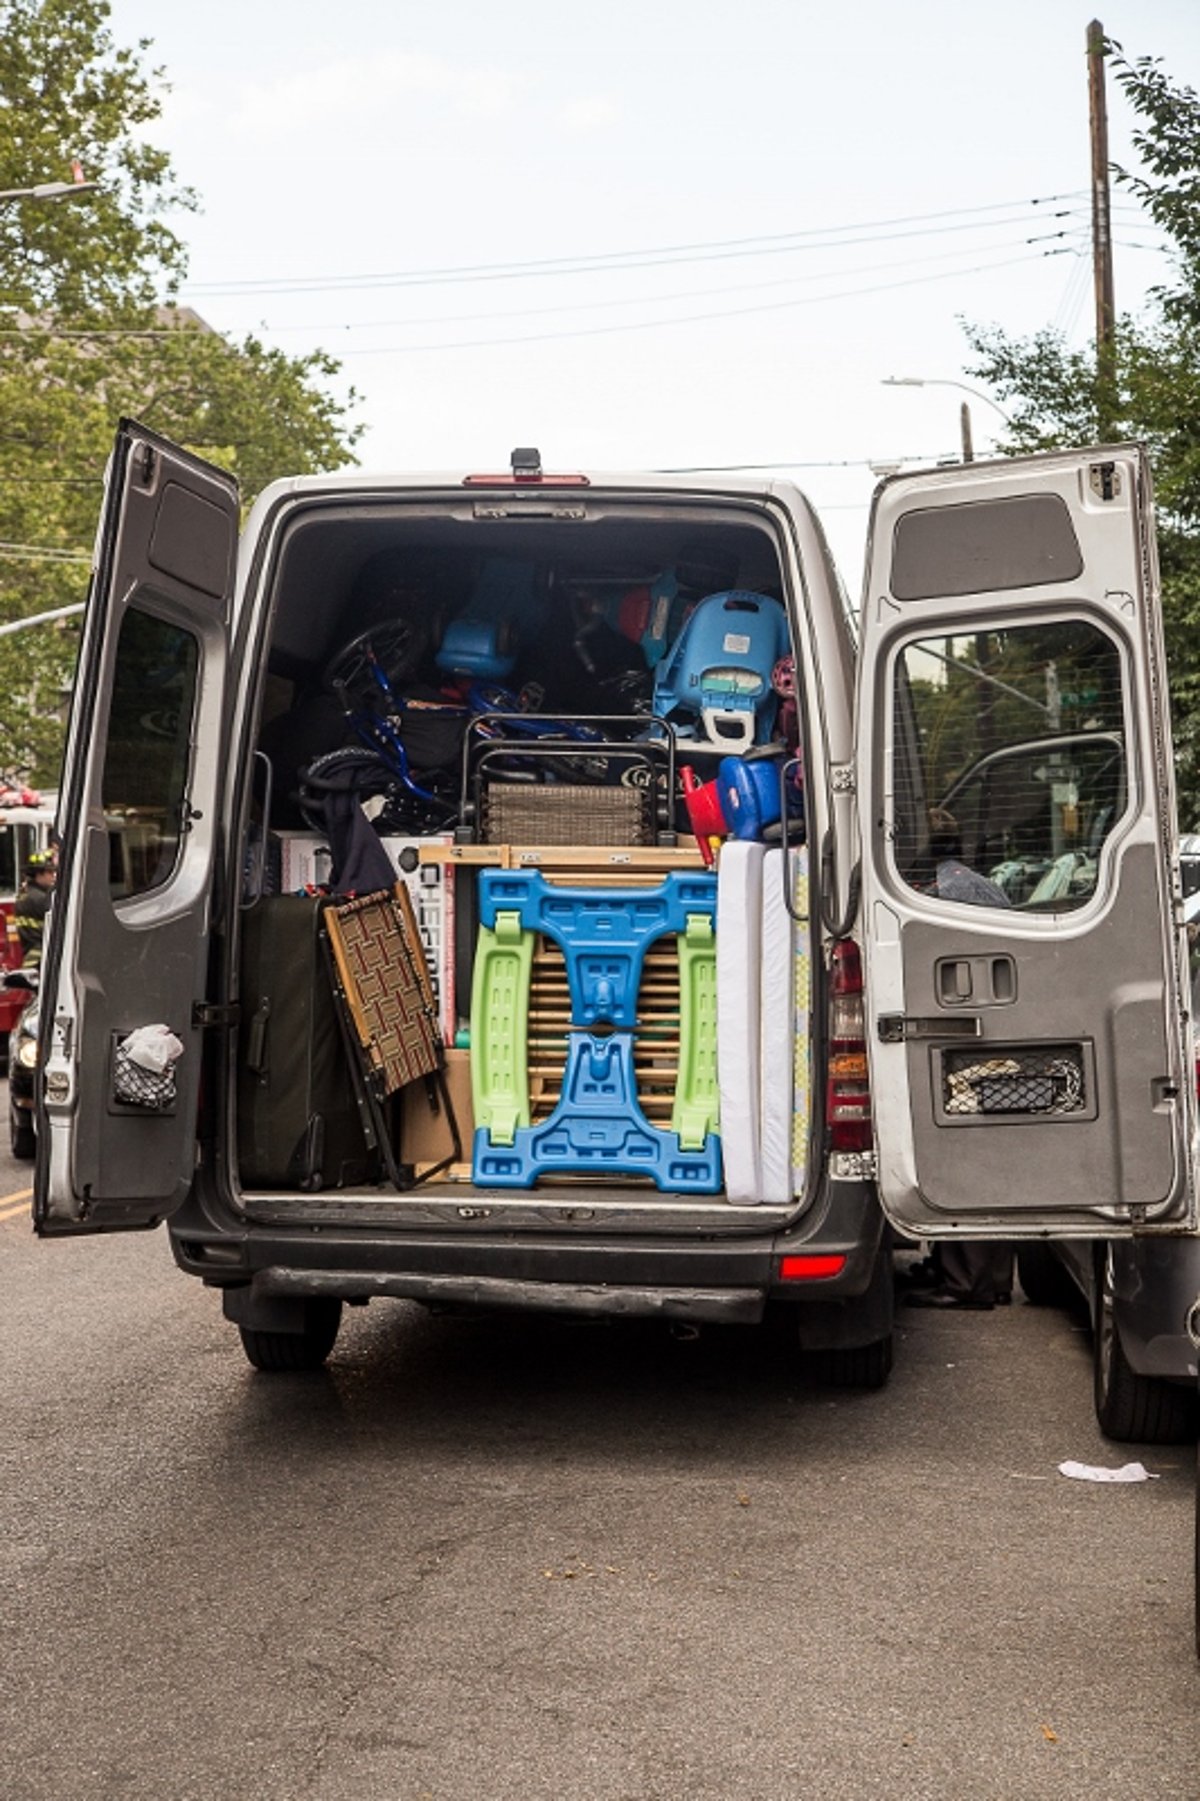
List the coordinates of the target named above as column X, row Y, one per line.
column 209, row 1013
column 841, row 778
column 896, row 1028
column 1104, row 479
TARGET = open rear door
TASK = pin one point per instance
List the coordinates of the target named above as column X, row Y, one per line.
column 128, row 939
column 1025, row 965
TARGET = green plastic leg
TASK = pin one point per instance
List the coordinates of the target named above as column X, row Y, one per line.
column 695, row 1113
column 500, row 1028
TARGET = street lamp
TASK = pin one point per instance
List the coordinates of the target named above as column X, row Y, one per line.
column 932, row 381
column 23, row 625
column 49, row 190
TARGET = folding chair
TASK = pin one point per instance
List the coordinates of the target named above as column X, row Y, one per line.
column 389, row 1015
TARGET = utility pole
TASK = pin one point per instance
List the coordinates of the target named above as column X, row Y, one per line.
column 964, row 426
column 1102, row 260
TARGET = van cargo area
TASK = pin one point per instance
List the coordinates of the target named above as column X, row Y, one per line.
column 523, row 928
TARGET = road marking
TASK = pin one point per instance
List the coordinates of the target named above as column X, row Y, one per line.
column 13, row 1205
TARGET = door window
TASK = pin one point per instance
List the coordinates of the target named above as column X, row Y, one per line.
column 147, row 757
column 1009, row 764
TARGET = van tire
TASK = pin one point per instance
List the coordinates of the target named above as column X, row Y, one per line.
column 1131, row 1408
column 306, row 1350
column 1044, row 1281
column 863, row 1366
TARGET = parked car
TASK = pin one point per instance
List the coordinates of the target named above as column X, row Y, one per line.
column 1139, row 1294
column 22, row 1066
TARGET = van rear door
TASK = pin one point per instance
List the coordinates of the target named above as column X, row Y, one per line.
column 128, row 941
column 1025, row 964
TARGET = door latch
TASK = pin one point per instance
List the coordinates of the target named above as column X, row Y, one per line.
column 900, row 1028
column 210, row 1013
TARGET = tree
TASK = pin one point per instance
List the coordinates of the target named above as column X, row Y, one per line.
column 249, row 408
column 68, row 91
column 88, row 333
column 1053, row 392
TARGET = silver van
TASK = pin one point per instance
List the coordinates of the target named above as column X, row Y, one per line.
column 517, row 890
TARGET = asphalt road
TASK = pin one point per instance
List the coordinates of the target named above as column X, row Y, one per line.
column 495, row 1558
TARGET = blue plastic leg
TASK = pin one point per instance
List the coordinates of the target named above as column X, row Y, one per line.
column 604, row 933
column 598, row 1129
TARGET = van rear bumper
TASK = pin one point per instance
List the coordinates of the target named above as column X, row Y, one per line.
column 708, row 1279
column 248, row 1304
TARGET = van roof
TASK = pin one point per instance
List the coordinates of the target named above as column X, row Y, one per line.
column 685, row 481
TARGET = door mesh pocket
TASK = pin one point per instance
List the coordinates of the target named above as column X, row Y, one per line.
column 1048, row 1081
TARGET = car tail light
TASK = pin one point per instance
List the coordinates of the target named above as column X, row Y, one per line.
column 847, row 1087
column 815, row 1268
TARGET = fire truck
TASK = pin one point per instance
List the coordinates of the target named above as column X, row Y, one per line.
column 26, row 826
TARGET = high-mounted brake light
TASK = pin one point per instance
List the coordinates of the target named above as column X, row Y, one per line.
column 526, row 472
column 847, row 1086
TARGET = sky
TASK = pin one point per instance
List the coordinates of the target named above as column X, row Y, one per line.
column 652, row 233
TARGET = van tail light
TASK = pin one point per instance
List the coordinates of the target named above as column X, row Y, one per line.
column 527, row 481
column 847, row 1088
column 525, row 470
column 817, row 1266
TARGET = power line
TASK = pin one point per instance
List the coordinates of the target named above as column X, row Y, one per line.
column 652, row 256
column 587, row 306
column 789, row 463
column 581, row 306
column 43, row 553
column 769, row 306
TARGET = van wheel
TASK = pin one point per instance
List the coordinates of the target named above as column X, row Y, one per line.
column 306, row 1350
column 1044, row 1281
column 1130, row 1408
column 22, row 1136
column 852, row 1366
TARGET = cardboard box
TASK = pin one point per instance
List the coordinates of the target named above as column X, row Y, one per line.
column 425, row 1136
column 304, row 861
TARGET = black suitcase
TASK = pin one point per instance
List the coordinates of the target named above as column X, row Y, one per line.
column 299, row 1120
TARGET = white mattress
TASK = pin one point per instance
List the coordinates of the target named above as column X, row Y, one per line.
column 739, row 992
column 775, row 1038
column 801, row 1022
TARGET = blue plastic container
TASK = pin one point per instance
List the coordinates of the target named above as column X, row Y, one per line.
column 749, row 796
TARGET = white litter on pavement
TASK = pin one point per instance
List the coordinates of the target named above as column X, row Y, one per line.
column 1091, row 1472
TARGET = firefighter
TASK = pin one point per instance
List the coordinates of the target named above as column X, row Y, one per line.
column 33, row 903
